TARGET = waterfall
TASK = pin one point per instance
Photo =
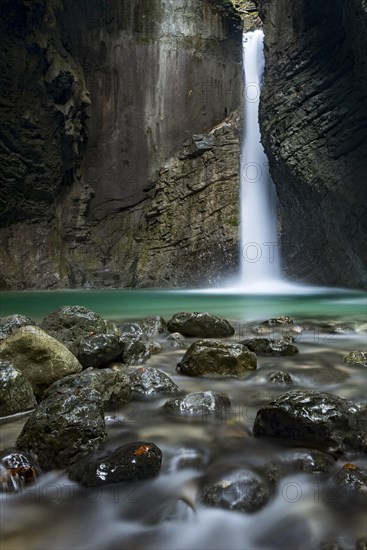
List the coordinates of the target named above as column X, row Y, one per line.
column 260, row 264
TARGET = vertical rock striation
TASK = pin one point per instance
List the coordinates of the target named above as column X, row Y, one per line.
column 313, row 120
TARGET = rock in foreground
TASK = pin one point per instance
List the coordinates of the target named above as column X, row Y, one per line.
column 320, row 420
column 149, row 381
column 202, row 404
column 131, row 462
column 41, row 358
column 63, row 426
column 17, row 469
column 16, row 392
column 215, row 358
column 202, row 325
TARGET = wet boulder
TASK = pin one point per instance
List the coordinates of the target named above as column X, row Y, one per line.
column 317, row 419
column 41, row 358
column 176, row 340
column 12, row 322
column 280, row 378
column 97, row 350
column 241, row 490
column 137, row 347
column 149, row 381
column 63, row 427
column 70, row 324
column 153, row 326
column 131, row 462
column 202, row 325
column 17, row 469
column 348, row 487
column 298, row 461
column 357, row 357
column 16, row 392
column 269, row 347
column 203, row 404
column 111, row 383
column 282, row 321
column 215, row 358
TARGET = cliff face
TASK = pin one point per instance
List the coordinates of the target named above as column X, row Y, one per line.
column 313, row 121
column 77, row 195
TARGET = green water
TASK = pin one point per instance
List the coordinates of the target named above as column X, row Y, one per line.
column 136, row 304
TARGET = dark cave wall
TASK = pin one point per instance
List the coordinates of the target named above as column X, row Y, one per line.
column 314, row 129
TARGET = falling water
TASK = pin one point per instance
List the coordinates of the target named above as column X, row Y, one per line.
column 260, row 265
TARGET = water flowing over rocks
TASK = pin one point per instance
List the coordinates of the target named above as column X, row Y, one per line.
column 202, row 325
column 112, row 384
column 41, row 358
column 63, row 427
column 321, row 420
column 147, row 381
column 131, row 462
column 17, row 469
column 202, row 404
column 216, row 358
column 16, row 392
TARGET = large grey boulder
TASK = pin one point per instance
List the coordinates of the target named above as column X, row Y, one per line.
column 202, row 325
column 216, row 358
column 41, row 358
column 16, row 392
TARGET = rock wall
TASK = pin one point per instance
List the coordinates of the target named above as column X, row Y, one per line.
column 79, row 182
column 313, row 121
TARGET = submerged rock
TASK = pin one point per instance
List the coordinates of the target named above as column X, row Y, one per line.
column 137, row 346
column 202, row 404
column 202, row 325
column 153, row 326
column 41, row 358
column 280, row 377
column 299, row 460
column 12, row 322
column 266, row 346
column 131, row 462
column 318, row 419
column 240, row 490
column 215, row 358
column 17, row 469
column 64, row 426
column 149, row 381
column 358, row 357
column 16, row 392
column 70, row 324
column 348, row 487
column 112, row 385
column 97, row 350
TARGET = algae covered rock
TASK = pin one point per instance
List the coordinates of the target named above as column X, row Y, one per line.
column 204, row 404
column 12, row 322
column 317, row 419
column 112, row 385
column 216, row 358
column 16, row 392
column 149, row 381
column 131, row 462
column 63, row 427
column 41, row 358
column 357, row 357
column 202, row 325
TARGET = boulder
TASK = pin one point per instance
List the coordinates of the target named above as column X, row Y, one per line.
column 137, row 346
column 70, row 324
column 176, row 340
column 41, row 358
column 241, row 490
column 16, row 392
column 202, row 325
column 131, row 462
column 97, row 350
column 153, row 326
column 267, row 346
column 111, row 383
column 280, row 377
column 149, row 381
column 215, row 358
column 316, row 419
column 63, row 427
column 348, row 487
column 201, row 404
column 17, row 469
column 357, row 357
column 298, row 461
column 12, row 322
